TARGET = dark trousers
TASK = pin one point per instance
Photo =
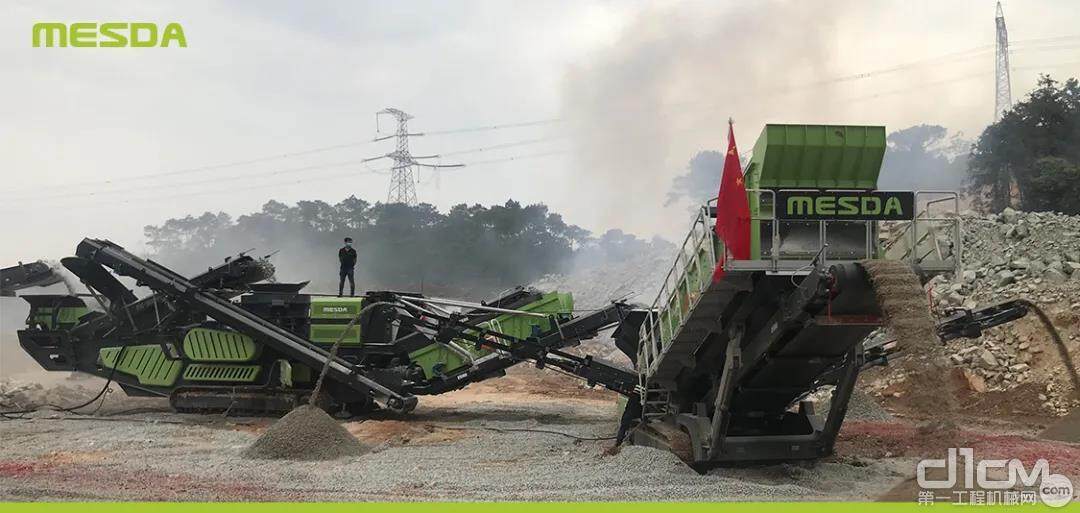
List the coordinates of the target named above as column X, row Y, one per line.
column 346, row 272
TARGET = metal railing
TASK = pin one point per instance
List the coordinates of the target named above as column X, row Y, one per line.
column 688, row 277
column 801, row 259
column 923, row 236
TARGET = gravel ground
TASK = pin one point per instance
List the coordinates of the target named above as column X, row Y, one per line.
column 477, row 444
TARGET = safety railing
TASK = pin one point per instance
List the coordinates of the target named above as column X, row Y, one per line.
column 690, row 274
column 777, row 257
column 933, row 239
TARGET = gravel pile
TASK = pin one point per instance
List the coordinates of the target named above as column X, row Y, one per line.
column 485, row 466
column 23, row 395
column 863, row 407
column 596, row 282
column 1028, row 255
column 308, row 434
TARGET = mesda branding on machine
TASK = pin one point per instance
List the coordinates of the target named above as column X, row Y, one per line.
column 112, row 34
column 855, row 205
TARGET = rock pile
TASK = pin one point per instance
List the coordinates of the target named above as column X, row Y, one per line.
column 22, row 395
column 596, row 283
column 1032, row 255
column 306, row 434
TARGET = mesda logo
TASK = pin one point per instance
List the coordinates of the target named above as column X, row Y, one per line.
column 335, row 309
column 108, row 35
column 871, row 206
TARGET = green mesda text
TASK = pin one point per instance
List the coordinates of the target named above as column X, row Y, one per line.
column 108, row 35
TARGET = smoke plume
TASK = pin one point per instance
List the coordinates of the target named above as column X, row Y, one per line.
column 641, row 109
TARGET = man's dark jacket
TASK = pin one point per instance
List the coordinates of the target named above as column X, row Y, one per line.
column 347, row 256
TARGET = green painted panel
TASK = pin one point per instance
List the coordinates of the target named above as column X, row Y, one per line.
column 69, row 315
column 208, row 345
column 148, row 363
column 559, row 304
column 66, row 316
column 334, row 307
column 437, row 359
column 301, row 373
column 817, row 157
column 221, row 372
column 329, row 333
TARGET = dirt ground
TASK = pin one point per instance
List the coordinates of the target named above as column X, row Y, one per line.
column 531, row 435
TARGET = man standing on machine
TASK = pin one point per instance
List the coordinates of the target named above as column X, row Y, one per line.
column 347, row 257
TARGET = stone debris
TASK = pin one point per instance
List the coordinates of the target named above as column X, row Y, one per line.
column 16, row 395
column 596, row 282
column 307, row 433
column 1030, row 255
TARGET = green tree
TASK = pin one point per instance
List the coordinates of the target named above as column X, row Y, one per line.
column 469, row 250
column 1008, row 163
column 1054, row 185
column 923, row 157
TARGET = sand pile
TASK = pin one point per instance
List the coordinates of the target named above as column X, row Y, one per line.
column 306, row 433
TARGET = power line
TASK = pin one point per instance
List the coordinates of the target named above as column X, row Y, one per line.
column 476, row 163
column 215, row 180
column 487, row 128
column 512, row 158
column 317, row 178
column 516, row 158
column 204, row 168
column 493, row 147
column 226, row 190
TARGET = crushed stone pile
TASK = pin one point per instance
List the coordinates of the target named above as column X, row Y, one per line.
column 1014, row 254
column 596, row 282
column 307, row 434
column 1031, row 254
column 906, row 312
column 863, row 407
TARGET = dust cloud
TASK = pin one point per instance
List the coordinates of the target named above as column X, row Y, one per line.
column 645, row 105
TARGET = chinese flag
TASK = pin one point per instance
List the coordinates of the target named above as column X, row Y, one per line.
column 732, row 209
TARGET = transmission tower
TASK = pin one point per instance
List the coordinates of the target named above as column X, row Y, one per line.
column 402, row 176
column 1003, row 91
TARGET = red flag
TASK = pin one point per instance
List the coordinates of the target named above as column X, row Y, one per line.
column 732, row 209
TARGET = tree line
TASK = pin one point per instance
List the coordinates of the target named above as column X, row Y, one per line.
column 468, row 250
column 1030, row 158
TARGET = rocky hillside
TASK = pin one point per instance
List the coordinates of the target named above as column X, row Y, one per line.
column 1035, row 256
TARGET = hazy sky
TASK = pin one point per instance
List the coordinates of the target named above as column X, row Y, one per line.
column 629, row 90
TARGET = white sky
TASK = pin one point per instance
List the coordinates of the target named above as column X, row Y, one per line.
column 640, row 88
